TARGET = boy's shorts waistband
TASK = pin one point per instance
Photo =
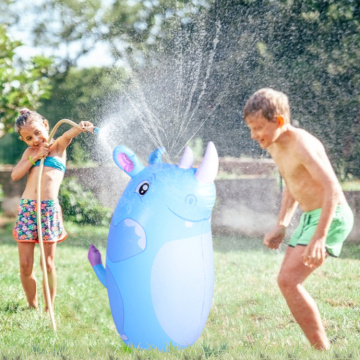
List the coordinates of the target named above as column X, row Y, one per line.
column 340, row 227
column 317, row 212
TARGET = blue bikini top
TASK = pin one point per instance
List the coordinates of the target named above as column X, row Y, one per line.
column 53, row 163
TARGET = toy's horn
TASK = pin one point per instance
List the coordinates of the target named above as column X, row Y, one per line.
column 187, row 159
column 207, row 171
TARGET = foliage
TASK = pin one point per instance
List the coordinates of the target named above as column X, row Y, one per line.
column 79, row 156
column 309, row 50
column 83, row 95
column 351, row 150
column 11, row 148
column 80, row 205
column 80, row 93
column 196, row 145
column 326, row 73
column 220, row 52
column 125, row 28
column 23, row 84
column 1, row 193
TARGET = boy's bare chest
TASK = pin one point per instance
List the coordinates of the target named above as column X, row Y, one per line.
column 290, row 168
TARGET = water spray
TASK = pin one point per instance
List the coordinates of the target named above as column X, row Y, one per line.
column 38, row 200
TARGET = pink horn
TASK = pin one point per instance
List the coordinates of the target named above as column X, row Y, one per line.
column 207, row 171
column 187, row 159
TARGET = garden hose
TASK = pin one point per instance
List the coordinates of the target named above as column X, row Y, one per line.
column 38, row 201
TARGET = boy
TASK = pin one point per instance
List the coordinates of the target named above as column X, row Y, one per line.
column 310, row 183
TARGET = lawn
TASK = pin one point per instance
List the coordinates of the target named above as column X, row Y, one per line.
column 248, row 319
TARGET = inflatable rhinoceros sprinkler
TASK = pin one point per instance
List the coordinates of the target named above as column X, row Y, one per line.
column 159, row 258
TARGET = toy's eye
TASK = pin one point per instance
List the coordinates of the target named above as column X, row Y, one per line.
column 142, row 188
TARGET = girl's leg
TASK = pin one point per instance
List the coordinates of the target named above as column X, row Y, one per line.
column 49, row 250
column 303, row 307
column 27, row 276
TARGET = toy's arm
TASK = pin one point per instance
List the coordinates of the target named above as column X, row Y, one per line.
column 94, row 257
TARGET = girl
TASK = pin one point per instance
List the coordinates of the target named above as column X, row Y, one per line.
column 34, row 131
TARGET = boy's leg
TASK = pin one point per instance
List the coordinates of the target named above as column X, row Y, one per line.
column 49, row 250
column 27, row 276
column 292, row 274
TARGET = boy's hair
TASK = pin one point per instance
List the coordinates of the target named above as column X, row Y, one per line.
column 25, row 117
column 270, row 102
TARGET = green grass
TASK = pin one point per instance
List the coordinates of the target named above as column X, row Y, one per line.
column 351, row 185
column 248, row 319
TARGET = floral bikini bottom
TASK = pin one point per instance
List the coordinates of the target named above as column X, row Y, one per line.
column 25, row 229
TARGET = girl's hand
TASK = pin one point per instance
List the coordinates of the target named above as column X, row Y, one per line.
column 42, row 152
column 86, row 126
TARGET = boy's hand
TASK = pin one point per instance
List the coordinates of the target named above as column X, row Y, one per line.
column 274, row 238
column 315, row 253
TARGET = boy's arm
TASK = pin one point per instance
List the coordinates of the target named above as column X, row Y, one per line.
column 274, row 238
column 288, row 207
column 318, row 165
column 27, row 161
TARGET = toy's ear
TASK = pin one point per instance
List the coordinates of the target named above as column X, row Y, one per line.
column 155, row 156
column 127, row 161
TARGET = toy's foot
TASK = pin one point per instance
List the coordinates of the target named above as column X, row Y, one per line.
column 94, row 256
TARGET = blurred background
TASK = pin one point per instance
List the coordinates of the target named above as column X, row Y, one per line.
column 165, row 72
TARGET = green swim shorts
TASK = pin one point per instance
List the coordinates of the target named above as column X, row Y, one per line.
column 340, row 228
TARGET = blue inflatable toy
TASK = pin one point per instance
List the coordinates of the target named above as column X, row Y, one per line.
column 159, row 263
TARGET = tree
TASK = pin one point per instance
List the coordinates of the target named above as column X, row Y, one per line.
column 195, row 63
column 23, row 84
column 307, row 49
column 73, row 28
column 83, row 94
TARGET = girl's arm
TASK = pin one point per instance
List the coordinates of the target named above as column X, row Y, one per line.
column 29, row 157
column 64, row 140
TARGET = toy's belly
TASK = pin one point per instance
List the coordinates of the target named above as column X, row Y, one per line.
column 182, row 282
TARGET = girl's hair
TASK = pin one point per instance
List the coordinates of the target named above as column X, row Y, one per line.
column 26, row 116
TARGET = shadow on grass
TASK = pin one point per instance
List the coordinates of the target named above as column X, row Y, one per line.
column 12, row 307
column 351, row 250
column 85, row 235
